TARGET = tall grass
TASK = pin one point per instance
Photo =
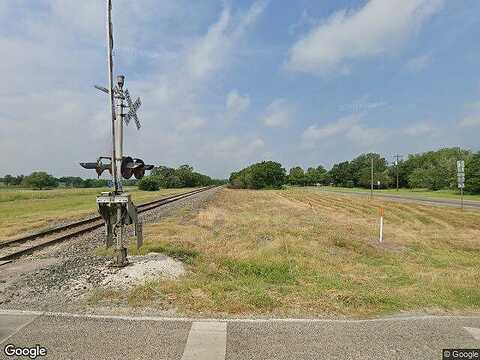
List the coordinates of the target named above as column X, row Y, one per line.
column 300, row 252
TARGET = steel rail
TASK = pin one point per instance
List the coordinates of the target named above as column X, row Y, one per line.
column 80, row 227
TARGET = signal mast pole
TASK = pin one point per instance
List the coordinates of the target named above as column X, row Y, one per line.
column 111, row 93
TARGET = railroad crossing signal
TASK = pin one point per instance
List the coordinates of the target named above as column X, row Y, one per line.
column 128, row 166
column 132, row 113
column 116, row 207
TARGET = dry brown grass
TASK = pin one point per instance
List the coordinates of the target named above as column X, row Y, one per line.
column 299, row 252
column 24, row 211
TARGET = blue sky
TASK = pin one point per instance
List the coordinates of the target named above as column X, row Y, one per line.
column 227, row 83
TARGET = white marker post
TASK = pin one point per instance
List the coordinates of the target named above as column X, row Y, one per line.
column 382, row 212
column 461, row 178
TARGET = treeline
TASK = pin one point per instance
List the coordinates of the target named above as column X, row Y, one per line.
column 184, row 176
column 267, row 174
column 433, row 170
column 42, row 180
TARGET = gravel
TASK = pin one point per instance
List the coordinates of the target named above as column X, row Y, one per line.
column 143, row 269
column 61, row 277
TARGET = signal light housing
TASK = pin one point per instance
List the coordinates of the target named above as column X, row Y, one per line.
column 129, row 167
column 98, row 166
column 134, row 166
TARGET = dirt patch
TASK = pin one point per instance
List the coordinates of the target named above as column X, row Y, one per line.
column 144, row 269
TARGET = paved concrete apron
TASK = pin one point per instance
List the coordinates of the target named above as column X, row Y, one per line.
column 70, row 336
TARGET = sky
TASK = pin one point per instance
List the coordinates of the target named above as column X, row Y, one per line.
column 227, row 83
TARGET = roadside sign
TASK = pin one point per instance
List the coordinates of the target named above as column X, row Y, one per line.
column 461, row 174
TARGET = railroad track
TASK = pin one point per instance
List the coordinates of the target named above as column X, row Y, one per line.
column 17, row 247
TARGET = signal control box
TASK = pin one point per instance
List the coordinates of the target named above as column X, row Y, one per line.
column 118, row 210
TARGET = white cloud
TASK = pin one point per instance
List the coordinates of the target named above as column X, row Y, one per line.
column 234, row 147
column 305, row 21
column 207, row 54
column 278, row 114
column 211, row 51
column 314, row 132
column 419, row 63
column 190, row 124
column 349, row 128
column 377, row 28
column 236, row 105
column 57, row 81
column 365, row 137
column 471, row 119
column 420, row 129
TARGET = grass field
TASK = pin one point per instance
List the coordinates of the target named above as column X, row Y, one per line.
column 423, row 193
column 26, row 210
column 300, row 252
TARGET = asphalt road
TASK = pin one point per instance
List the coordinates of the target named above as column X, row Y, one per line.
column 68, row 336
column 420, row 200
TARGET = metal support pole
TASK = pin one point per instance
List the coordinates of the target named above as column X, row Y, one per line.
column 111, row 94
column 371, row 180
column 119, row 128
column 461, row 192
column 397, row 175
column 120, row 249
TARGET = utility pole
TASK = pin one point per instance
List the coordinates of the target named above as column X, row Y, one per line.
column 371, row 180
column 397, row 158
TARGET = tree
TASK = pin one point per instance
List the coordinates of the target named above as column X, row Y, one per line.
column 40, row 180
column 341, row 174
column 402, row 174
column 297, row 176
column 71, row 181
column 184, row 176
column 163, row 171
column 266, row 174
column 472, row 174
column 186, row 167
column 361, row 169
column 8, row 180
column 149, row 183
column 315, row 176
column 435, row 170
column 95, row 183
column 17, row 180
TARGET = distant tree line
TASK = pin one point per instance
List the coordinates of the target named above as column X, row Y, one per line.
column 183, row 176
column 42, row 180
column 161, row 177
column 433, row 170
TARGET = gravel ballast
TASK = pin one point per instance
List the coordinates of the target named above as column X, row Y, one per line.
column 61, row 277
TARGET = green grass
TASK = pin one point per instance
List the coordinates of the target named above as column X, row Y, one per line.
column 423, row 193
column 23, row 210
column 302, row 252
